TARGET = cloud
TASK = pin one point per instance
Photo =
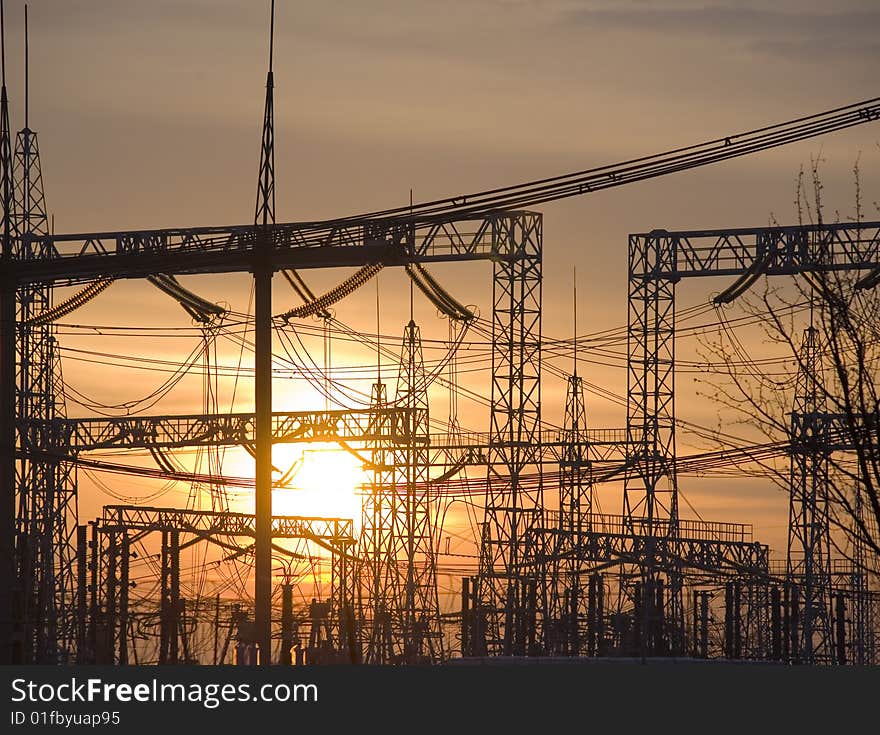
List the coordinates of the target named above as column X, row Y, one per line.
column 808, row 35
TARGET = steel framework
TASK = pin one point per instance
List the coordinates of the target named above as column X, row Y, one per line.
column 808, row 562
column 507, row 583
column 511, row 600
column 46, row 513
column 107, row 639
column 399, row 555
column 658, row 260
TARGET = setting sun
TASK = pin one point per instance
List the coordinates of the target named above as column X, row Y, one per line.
column 323, row 482
column 569, row 353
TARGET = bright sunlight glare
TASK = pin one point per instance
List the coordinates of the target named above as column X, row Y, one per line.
column 321, row 481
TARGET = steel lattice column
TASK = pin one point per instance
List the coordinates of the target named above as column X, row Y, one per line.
column 650, row 421
column 378, row 522
column 861, row 623
column 567, row 599
column 343, row 580
column 62, row 498
column 415, row 553
column 400, row 554
column 506, row 594
column 808, row 527
column 169, row 611
column 46, row 507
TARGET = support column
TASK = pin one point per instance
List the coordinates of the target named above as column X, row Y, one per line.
column 94, row 610
column 263, row 473
column 264, row 216
column 10, row 644
column 651, row 419
column 512, row 506
column 840, row 628
column 465, row 616
column 170, row 601
column 776, row 624
column 124, row 556
column 704, row 625
column 286, row 624
column 82, row 549
column 108, row 639
column 809, row 535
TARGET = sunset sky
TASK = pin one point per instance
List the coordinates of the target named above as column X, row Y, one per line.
column 149, row 114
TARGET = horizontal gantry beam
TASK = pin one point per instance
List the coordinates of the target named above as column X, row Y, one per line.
column 74, row 435
column 598, row 444
column 394, row 241
column 697, row 545
column 71, row 436
column 335, row 531
column 822, row 431
column 776, row 250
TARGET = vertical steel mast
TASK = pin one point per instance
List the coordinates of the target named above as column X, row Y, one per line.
column 46, row 490
column 262, row 272
column 10, row 645
column 809, row 535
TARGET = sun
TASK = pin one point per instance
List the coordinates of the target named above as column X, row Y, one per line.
column 321, row 481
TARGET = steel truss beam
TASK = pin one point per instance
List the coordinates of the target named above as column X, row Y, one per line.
column 780, row 250
column 838, row 434
column 335, row 531
column 74, row 435
column 600, row 445
column 130, row 432
column 400, row 240
column 700, row 546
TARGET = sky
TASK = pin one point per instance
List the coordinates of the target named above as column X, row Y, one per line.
column 149, row 115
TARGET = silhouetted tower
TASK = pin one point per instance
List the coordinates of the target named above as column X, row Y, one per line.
column 264, row 218
column 575, row 514
column 808, row 560
column 414, row 537
column 11, row 633
column 46, row 513
column 376, row 573
column 264, row 213
column 507, row 595
column 862, row 643
column 399, row 553
column 650, row 501
column 575, row 518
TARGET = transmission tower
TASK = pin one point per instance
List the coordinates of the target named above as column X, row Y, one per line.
column 46, row 510
column 575, row 518
column 377, row 571
column 400, row 552
column 414, row 536
column 508, row 593
column 808, row 563
column 650, row 507
column 863, row 631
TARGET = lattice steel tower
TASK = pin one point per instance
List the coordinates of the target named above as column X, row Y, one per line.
column 46, row 505
column 650, row 505
column 575, row 519
column 399, row 553
column 508, row 593
column 808, row 561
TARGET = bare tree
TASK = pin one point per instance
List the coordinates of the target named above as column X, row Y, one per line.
column 843, row 310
